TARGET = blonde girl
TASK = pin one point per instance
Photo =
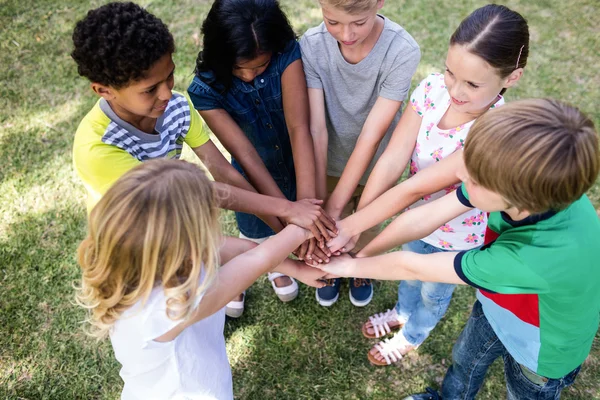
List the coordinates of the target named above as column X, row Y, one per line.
column 151, row 279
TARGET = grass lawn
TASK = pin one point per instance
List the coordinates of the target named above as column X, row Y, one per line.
column 277, row 351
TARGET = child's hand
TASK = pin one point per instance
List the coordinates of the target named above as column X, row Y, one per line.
column 311, row 250
column 310, row 276
column 343, row 242
column 308, row 214
column 338, row 266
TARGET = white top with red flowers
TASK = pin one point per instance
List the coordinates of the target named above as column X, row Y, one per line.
column 430, row 100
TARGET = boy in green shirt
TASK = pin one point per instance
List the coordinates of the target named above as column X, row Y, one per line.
column 529, row 165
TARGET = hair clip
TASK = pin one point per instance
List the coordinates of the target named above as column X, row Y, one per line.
column 519, row 58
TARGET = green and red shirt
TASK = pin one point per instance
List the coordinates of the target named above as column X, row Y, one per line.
column 539, row 284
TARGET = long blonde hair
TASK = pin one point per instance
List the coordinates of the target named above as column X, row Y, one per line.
column 157, row 225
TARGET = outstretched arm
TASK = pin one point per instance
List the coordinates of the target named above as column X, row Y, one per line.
column 427, row 181
column 394, row 159
column 236, row 193
column 295, row 109
column 320, row 138
column 379, row 119
column 241, row 271
column 235, row 141
column 415, row 224
column 398, row 265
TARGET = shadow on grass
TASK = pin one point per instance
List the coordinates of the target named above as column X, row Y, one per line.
column 303, row 351
column 43, row 350
column 300, row 350
column 29, row 150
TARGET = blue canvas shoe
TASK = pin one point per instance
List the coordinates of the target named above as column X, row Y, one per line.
column 328, row 294
column 361, row 291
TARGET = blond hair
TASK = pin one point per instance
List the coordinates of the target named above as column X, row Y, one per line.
column 350, row 6
column 538, row 154
column 157, row 225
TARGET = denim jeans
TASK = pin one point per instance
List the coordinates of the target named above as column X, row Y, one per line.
column 423, row 304
column 475, row 350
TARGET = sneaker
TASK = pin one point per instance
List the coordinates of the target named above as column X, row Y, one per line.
column 361, row 291
column 430, row 395
column 328, row 294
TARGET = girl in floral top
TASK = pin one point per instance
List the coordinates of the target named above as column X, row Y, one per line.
column 487, row 54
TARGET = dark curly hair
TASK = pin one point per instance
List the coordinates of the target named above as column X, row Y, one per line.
column 116, row 43
column 241, row 29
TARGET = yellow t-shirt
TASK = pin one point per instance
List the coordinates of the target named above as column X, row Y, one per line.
column 106, row 147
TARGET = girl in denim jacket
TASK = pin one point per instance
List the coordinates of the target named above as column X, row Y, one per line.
column 249, row 87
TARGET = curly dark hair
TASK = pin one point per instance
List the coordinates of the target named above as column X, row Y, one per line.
column 116, row 43
column 241, row 29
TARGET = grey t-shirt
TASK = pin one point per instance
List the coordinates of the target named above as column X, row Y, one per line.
column 350, row 90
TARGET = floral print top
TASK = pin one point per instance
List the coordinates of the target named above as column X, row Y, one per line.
column 431, row 100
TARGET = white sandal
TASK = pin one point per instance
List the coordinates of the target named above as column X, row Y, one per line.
column 235, row 309
column 285, row 293
column 381, row 324
column 391, row 349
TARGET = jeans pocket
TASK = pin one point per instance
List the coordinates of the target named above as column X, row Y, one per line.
column 531, row 376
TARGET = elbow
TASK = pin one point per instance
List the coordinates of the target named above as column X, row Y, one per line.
column 413, row 190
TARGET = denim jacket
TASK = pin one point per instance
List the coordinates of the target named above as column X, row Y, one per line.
column 258, row 110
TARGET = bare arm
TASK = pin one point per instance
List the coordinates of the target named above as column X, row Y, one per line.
column 394, row 159
column 318, row 131
column 235, row 141
column 241, row 271
column 378, row 121
column 415, row 224
column 427, row 181
column 295, row 108
column 236, row 193
column 398, row 265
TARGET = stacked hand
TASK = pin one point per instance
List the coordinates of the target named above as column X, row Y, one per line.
column 344, row 241
column 308, row 214
column 311, row 276
column 339, row 266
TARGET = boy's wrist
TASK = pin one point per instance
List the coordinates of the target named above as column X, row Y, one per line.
column 285, row 208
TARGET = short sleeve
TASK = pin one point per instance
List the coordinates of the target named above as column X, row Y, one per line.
column 396, row 84
column 203, row 97
column 463, row 196
column 499, row 268
column 420, row 99
column 99, row 166
column 290, row 54
column 313, row 80
column 155, row 321
column 197, row 135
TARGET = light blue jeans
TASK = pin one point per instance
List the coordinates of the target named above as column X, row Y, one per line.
column 423, row 304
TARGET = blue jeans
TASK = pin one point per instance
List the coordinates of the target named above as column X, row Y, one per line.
column 475, row 350
column 422, row 304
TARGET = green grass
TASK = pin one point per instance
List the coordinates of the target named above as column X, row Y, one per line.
column 277, row 351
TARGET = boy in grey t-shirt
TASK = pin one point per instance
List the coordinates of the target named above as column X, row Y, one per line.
column 358, row 67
